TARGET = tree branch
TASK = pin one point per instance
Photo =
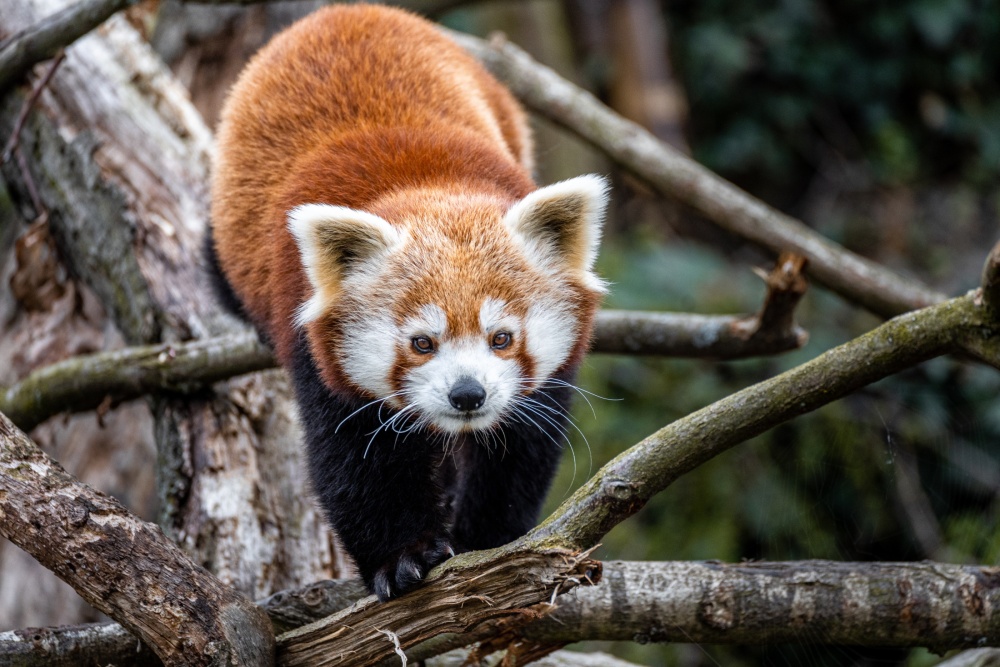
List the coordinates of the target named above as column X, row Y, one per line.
column 676, row 176
column 122, row 565
column 624, row 485
column 20, row 52
column 940, row 606
column 927, row 604
column 84, row 383
column 506, row 583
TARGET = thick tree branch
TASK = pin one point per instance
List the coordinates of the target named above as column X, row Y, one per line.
column 940, row 606
column 676, row 176
column 927, row 604
column 21, row 51
column 624, row 485
column 124, row 566
column 467, row 590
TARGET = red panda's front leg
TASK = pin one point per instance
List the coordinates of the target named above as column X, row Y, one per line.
column 379, row 489
column 508, row 472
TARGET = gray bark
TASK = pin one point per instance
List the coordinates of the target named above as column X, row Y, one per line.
column 120, row 161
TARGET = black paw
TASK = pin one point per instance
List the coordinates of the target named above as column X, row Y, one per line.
column 404, row 571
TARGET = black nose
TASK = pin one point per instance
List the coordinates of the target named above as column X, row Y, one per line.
column 467, row 394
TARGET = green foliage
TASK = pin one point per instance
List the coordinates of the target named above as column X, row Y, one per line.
column 907, row 87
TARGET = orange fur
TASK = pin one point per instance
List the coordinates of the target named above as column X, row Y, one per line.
column 372, row 108
column 326, row 96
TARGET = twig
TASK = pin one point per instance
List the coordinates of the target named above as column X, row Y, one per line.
column 15, row 136
column 20, row 52
column 676, row 176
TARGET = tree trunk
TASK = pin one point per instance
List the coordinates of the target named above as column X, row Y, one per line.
column 120, row 161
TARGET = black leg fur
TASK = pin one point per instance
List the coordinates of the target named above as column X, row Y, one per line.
column 381, row 493
column 505, row 483
column 384, row 493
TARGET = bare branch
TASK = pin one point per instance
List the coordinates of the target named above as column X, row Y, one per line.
column 624, row 485
column 82, row 383
column 771, row 331
column 676, row 176
column 511, row 584
column 822, row 602
column 20, row 52
column 122, row 565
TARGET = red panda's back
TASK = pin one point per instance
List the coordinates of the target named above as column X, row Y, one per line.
column 340, row 70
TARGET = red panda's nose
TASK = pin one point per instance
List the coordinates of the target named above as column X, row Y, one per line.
column 467, row 395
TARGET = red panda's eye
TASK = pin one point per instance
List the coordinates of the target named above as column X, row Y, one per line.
column 501, row 340
column 423, row 344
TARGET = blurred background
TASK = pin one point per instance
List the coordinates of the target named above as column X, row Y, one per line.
column 875, row 122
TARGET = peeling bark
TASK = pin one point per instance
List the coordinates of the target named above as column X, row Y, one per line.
column 506, row 584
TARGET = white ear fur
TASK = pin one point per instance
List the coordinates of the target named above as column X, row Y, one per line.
column 561, row 224
column 334, row 242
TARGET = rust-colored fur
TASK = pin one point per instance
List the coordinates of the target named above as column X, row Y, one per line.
column 282, row 143
column 374, row 214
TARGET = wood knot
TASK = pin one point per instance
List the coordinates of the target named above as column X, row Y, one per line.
column 716, row 609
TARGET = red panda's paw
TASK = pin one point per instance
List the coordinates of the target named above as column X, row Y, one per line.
column 406, row 569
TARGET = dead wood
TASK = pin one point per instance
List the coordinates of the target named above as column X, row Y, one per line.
column 125, row 567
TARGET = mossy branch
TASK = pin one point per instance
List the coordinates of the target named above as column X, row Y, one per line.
column 624, row 485
column 82, row 383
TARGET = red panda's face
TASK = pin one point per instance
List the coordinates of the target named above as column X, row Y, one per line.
column 457, row 308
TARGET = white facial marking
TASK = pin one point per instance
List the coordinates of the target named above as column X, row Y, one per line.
column 430, row 320
column 551, row 331
column 429, row 384
column 493, row 318
column 370, row 353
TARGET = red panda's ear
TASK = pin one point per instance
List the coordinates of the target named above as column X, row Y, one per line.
column 561, row 224
column 336, row 242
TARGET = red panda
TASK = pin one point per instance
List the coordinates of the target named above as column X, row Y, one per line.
column 374, row 216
